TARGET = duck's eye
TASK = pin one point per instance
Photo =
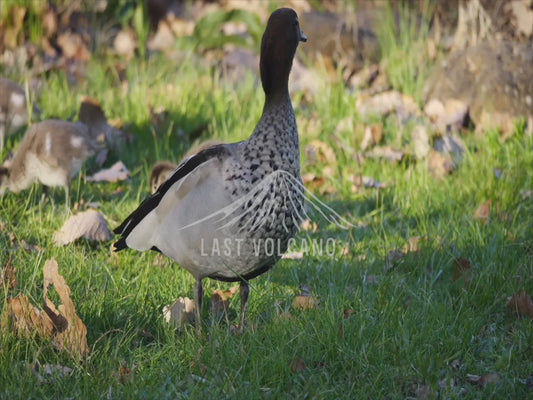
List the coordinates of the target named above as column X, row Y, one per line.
column 296, row 22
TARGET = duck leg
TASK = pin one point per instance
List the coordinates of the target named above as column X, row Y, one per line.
column 198, row 296
column 245, row 291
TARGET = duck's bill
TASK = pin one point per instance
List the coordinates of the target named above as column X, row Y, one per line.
column 303, row 38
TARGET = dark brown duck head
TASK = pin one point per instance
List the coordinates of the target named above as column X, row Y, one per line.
column 278, row 47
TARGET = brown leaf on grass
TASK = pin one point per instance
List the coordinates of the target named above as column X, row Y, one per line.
column 8, row 277
column 453, row 113
column 320, row 152
column 167, row 31
column 382, row 103
column 293, row 255
column 73, row 46
column 50, row 22
column 180, row 313
column 308, row 225
column 415, row 243
column 483, row 380
column 523, row 16
column 482, row 213
column 125, row 374
column 89, row 224
column 220, row 300
column 372, row 136
column 24, row 319
column 125, row 43
column 504, row 122
column 521, row 304
column 297, row 365
column 306, row 302
column 462, row 269
column 117, row 172
column 319, row 183
column 439, row 165
column 420, row 140
column 13, row 33
column 387, row 152
column 70, row 331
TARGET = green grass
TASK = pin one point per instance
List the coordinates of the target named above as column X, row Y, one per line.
column 409, row 322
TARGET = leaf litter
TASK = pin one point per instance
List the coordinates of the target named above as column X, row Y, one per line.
column 180, row 313
column 117, row 172
column 220, row 301
column 521, row 304
column 89, row 224
column 60, row 324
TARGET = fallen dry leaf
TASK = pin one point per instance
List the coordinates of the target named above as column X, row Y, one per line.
column 8, row 277
column 117, row 172
column 502, row 121
column 89, row 224
column 521, row 304
column 50, row 22
column 308, row 225
column 293, row 255
column 381, row 103
column 320, row 152
column 125, row 374
column 523, row 14
column 453, row 113
column 180, row 313
column 387, row 152
column 319, row 183
column 482, row 213
column 24, row 319
column 420, row 139
column 73, row 46
column 373, row 135
column 305, row 302
column 70, row 331
column 439, row 165
column 483, row 380
column 13, row 34
column 415, row 244
column 298, row 365
column 125, row 43
column 220, row 300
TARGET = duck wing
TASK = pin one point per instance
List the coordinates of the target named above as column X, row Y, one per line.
column 187, row 167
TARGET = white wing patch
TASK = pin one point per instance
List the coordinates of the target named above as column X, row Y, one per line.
column 17, row 99
column 76, row 141
column 48, row 143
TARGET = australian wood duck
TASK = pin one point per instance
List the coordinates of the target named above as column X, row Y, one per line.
column 13, row 108
column 228, row 212
column 162, row 170
column 52, row 152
